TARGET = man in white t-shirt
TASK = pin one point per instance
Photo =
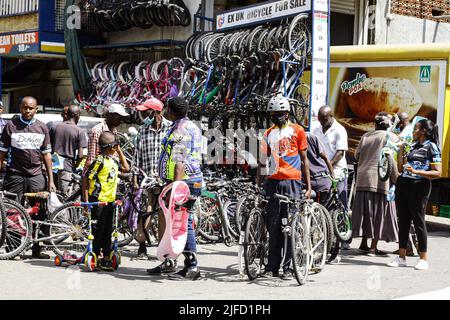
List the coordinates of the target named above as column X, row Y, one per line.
column 335, row 141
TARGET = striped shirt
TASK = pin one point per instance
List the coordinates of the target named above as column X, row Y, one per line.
column 148, row 146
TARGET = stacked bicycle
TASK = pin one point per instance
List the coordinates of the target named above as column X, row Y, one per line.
column 121, row 15
column 131, row 83
column 234, row 70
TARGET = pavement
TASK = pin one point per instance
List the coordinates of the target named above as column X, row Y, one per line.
column 356, row 277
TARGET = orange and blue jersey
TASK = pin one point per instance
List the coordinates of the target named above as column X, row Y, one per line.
column 283, row 147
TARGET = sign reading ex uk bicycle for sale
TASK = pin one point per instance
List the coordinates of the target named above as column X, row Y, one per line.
column 16, row 44
column 265, row 11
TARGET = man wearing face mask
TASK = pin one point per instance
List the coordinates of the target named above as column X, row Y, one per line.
column 146, row 154
column 285, row 144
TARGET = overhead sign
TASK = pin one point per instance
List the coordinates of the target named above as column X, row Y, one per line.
column 19, row 43
column 265, row 11
column 321, row 56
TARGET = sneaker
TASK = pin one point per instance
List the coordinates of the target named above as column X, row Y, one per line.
column 185, row 274
column 141, row 256
column 345, row 246
column 106, row 265
column 165, row 267
column 287, row 275
column 269, row 274
column 421, row 265
column 336, row 260
column 397, row 262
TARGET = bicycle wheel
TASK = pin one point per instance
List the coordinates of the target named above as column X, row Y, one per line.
column 18, row 230
column 69, row 229
column 208, row 218
column 126, row 235
column 229, row 208
column 300, row 240
column 299, row 38
column 341, row 224
column 256, row 245
column 2, row 223
column 331, row 238
column 385, row 165
column 243, row 208
column 318, row 234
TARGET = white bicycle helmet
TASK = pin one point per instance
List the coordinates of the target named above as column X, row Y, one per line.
column 278, row 103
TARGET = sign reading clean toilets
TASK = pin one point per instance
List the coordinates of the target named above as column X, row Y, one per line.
column 265, row 11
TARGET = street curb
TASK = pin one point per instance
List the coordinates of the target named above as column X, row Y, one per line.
column 437, row 223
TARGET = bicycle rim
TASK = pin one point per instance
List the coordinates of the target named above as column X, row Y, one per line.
column 255, row 245
column 300, row 248
column 18, row 230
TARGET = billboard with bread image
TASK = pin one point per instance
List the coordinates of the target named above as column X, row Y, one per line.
column 358, row 91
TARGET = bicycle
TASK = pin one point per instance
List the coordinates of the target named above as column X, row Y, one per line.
column 307, row 230
column 388, row 153
column 89, row 258
column 339, row 214
column 22, row 231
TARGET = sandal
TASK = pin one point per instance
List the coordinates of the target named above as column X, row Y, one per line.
column 377, row 253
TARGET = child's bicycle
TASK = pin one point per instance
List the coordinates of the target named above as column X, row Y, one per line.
column 89, row 258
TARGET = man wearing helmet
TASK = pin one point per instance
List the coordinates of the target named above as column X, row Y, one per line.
column 285, row 145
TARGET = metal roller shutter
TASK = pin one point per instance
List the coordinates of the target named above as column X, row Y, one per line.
column 343, row 6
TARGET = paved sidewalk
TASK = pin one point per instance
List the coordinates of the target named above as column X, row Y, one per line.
column 356, row 277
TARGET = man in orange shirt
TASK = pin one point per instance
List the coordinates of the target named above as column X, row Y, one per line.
column 285, row 144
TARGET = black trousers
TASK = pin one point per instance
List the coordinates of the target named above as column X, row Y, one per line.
column 276, row 211
column 102, row 228
column 411, row 198
column 20, row 185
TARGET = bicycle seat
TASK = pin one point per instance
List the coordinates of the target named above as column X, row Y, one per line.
column 38, row 195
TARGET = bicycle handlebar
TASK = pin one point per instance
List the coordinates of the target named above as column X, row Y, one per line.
column 8, row 194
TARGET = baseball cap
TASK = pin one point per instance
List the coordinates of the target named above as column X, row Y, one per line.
column 119, row 109
column 151, row 103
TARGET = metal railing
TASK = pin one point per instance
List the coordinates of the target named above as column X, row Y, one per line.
column 18, row 7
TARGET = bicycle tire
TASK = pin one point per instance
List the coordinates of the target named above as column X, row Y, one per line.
column 331, row 238
column 212, row 48
column 300, row 239
column 298, row 32
column 125, row 232
column 16, row 211
column 205, row 233
column 319, row 237
column 341, row 224
column 229, row 208
column 385, row 165
column 2, row 222
column 71, row 214
column 255, row 244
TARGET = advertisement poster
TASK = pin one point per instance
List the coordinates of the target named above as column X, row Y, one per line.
column 358, row 91
column 20, row 43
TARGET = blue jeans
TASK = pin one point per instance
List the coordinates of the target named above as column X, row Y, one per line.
column 342, row 190
column 190, row 248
